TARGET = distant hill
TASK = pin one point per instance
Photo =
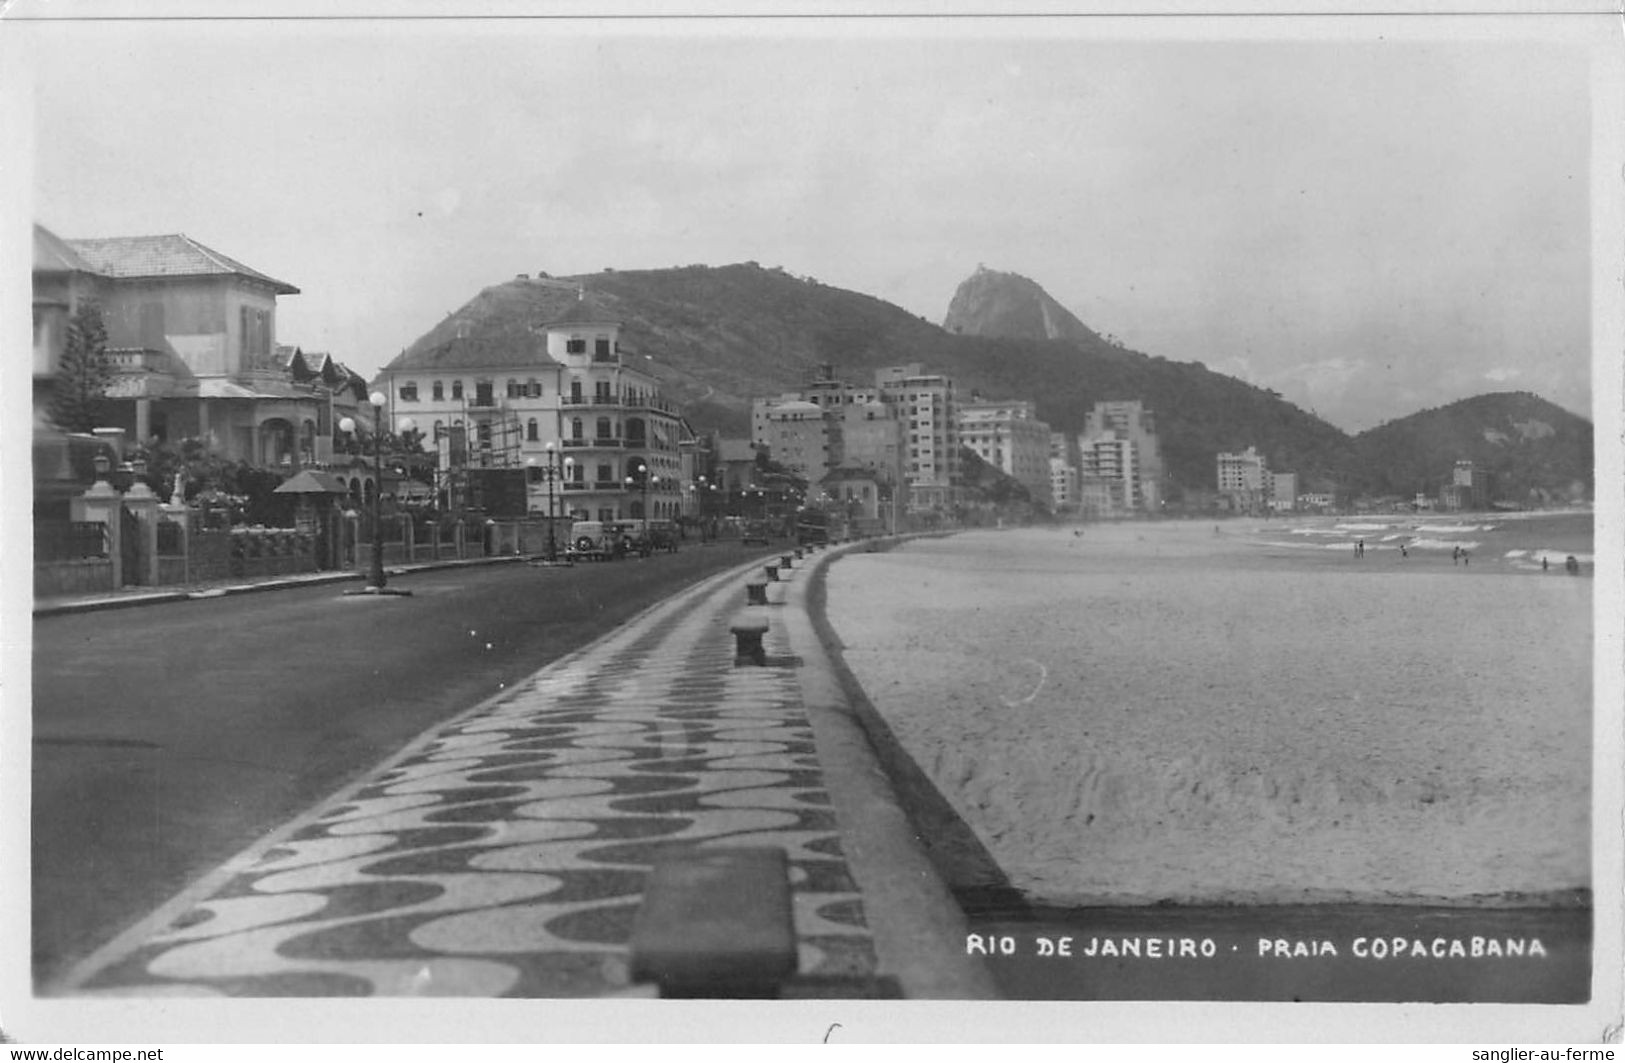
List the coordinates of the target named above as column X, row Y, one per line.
column 1008, row 305
column 1537, row 452
column 717, row 337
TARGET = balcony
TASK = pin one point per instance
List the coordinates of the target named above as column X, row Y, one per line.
column 602, row 401
column 654, row 404
column 136, row 360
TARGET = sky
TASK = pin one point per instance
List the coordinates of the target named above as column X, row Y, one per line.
column 1369, row 216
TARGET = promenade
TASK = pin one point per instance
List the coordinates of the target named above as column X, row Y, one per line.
column 504, row 852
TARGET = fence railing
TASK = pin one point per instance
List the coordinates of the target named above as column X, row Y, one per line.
column 69, row 540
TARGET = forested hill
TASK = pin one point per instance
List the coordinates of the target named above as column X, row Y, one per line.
column 1539, row 453
column 718, row 337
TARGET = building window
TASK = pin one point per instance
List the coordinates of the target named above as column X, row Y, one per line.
column 601, row 349
column 255, row 335
column 603, row 428
column 484, row 393
column 606, row 474
column 439, row 390
column 457, row 389
column 532, row 431
column 409, row 391
column 575, row 345
column 533, row 388
column 576, row 428
column 513, row 389
column 439, row 429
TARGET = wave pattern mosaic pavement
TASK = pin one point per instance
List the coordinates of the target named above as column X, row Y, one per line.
column 504, row 853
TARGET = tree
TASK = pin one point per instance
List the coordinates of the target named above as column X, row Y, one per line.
column 79, row 401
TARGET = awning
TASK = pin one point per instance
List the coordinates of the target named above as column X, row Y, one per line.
column 221, row 388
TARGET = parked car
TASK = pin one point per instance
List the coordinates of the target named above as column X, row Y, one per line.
column 598, row 540
column 756, row 533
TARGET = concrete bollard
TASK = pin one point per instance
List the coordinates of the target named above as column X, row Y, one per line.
column 785, row 561
column 748, row 629
column 716, row 923
column 756, row 592
column 772, row 573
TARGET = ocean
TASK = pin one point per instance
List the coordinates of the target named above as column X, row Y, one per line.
column 1506, row 541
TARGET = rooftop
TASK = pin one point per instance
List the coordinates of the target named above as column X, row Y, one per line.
column 52, row 254
column 170, row 255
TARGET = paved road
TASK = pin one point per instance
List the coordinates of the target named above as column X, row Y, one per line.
column 166, row 738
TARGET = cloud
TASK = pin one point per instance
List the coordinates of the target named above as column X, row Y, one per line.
column 1503, row 375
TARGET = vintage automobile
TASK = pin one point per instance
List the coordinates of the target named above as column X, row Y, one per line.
column 599, row 540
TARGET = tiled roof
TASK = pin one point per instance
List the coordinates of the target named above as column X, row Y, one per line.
column 52, row 254
column 171, row 255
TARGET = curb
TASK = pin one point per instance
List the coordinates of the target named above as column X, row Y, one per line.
column 918, row 927
column 92, row 605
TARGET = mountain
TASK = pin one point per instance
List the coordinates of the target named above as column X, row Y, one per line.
column 1537, row 452
column 990, row 303
column 717, row 337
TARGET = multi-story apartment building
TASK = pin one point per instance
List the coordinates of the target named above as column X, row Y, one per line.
column 797, row 435
column 1063, row 469
column 1283, row 491
column 854, row 429
column 1244, row 478
column 1470, row 487
column 1108, row 474
column 1130, row 420
column 1063, row 485
column 928, row 411
column 191, row 342
column 869, row 436
column 562, row 396
column 1010, row 437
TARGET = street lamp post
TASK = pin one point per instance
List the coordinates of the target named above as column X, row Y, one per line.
column 552, row 471
column 643, row 476
column 349, row 424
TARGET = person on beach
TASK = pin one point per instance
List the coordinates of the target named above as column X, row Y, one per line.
column 1466, row 558
column 1402, row 551
column 1455, row 555
column 1543, row 564
column 1572, row 565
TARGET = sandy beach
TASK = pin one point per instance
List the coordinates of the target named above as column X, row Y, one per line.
column 1168, row 712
